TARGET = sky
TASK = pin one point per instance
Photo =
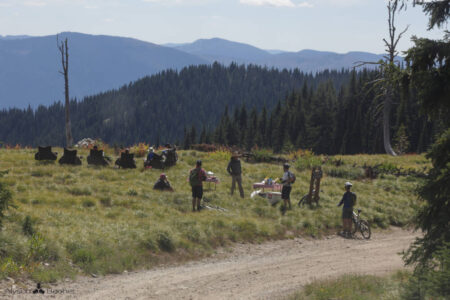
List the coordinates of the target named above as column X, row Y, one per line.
column 290, row 25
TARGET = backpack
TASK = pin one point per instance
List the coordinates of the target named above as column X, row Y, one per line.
column 293, row 178
column 194, row 177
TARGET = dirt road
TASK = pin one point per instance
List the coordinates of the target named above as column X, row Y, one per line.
column 267, row 271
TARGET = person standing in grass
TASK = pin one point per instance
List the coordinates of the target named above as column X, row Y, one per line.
column 196, row 178
column 287, row 180
column 349, row 200
column 235, row 170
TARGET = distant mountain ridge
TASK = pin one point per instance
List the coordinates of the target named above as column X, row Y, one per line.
column 29, row 66
column 307, row 60
column 14, row 37
column 98, row 63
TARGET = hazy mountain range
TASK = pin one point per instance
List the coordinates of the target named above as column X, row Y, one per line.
column 29, row 65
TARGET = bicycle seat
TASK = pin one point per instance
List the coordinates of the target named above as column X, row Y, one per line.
column 359, row 210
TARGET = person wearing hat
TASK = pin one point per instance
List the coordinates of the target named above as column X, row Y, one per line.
column 287, row 180
column 151, row 154
column 235, row 170
column 163, row 184
column 349, row 200
column 196, row 178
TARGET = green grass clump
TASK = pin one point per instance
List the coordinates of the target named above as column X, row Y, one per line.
column 105, row 220
column 88, row 203
column 165, row 242
column 355, row 287
column 262, row 155
column 307, row 162
column 345, row 172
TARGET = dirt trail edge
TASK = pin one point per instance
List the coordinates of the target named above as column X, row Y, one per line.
column 266, row 271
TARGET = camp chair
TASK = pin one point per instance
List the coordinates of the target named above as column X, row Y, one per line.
column 126, row 161
column 171, row 157
column 45, row 153
column 70, row 158
column 157, row 162
column 96, row 158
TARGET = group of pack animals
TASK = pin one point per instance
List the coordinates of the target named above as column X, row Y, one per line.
column 96, row 157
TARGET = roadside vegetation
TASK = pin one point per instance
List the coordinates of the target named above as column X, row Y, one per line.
column 90, row 220
column 355, row 287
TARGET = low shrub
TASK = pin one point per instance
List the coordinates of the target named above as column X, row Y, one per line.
column 308, row 162
column 132, row 192
column 165, row 242
column 350, row 287
column 346, row 172
column 88, row 203
column 219, row 155
column 76, row 191
column 204, row 147
column 5, row 199
column 27, row 226
column 140, row 150
column 83, row 256
column 41, row 173
column 9, row 267
column 149, row 244
column 39, row 250
column 387, row 167
column 106, row 201
column 262, row 155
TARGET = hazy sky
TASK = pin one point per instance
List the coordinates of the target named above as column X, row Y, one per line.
column 333, row 25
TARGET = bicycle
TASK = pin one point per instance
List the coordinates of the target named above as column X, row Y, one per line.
column 304, row 200
column 361, row 225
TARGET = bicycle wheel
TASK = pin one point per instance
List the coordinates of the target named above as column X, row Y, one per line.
column 364, row 227
column 302, row 201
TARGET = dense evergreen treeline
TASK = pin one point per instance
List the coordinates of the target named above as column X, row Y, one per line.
column 158, row 108
column 327, row 120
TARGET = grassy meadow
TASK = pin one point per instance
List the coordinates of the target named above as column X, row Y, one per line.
column 93, row 220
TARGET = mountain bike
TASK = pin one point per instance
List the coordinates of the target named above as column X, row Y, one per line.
column 360, row 225
column 303, row 200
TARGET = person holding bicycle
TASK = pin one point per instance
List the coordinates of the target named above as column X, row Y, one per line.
column 287, row 180
column 349, row 200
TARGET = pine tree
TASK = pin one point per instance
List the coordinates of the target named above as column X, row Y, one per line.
column 401, row 143
column 193, row 135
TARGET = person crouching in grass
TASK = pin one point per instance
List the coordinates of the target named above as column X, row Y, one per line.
column 163, row 184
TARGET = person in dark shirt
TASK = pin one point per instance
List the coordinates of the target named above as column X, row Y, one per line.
column 348, row 200
column 151, row 154
column 286, row 180
column 163, row 184
column 235, row 170
column 196, row 178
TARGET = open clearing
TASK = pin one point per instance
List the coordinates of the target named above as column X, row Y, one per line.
column 265, row 271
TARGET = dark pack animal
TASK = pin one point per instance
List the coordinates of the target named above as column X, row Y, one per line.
column 168, row 158
column 45, row 153
column 70, row 158
column 171, row 157
column 126, row 161
column 96, row 158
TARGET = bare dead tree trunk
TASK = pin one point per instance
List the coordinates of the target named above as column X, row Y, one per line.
column 391, row 49
column 387, row 125
column 64, row 50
